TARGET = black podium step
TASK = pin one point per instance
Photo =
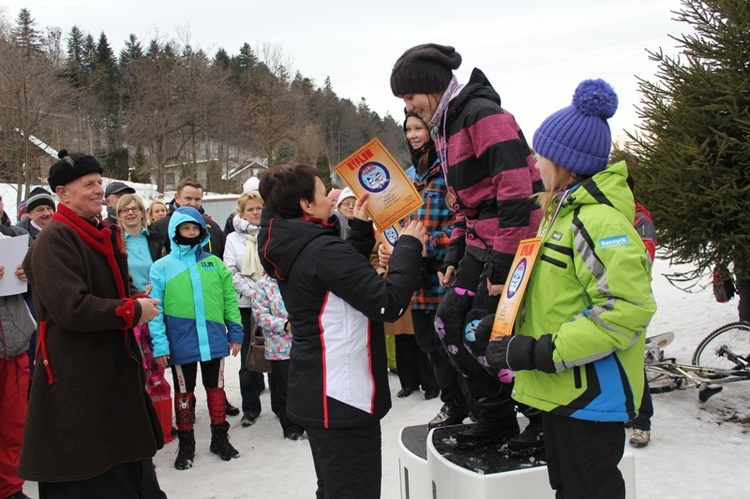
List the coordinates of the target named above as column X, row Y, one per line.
column 482, row 460
column 414, row 438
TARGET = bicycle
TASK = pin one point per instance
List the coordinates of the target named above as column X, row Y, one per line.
column 722, row 357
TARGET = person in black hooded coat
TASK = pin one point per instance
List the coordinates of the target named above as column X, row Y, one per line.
column 338, row 385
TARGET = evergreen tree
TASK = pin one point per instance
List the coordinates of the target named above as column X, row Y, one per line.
column 692, row 153
column 221, row 59
column 132, row 51
column 89, row 48
column 241, row 66
column 26, row 34
column 105, row 84
column 76, row 66
column 324, row 170
column 139, row 172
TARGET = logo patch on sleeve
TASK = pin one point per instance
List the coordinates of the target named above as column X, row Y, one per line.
column 556, row 236
column 610, row 242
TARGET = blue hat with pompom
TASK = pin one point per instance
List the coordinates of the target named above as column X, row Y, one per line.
column 578, row 137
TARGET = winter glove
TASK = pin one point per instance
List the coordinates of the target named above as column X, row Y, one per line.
column 497, row 268
column 522, row 353
column 483, row 330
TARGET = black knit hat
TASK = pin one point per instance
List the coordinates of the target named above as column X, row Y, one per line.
column 411, row 113
column 71, row 167
column 424, row 69
column 38, row 197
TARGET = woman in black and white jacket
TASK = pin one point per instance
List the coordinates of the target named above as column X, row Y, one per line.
column 338, row 385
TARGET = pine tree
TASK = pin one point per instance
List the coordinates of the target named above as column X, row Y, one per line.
column 132, row 51
column 105, row 84
column 76, row 66
column 324, row 170
column 139, row 171
column 26, row 34
column 692, row 166
column 221, row 59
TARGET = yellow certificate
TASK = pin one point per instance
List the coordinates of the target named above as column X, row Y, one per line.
column 515, row 286
column 372, row 169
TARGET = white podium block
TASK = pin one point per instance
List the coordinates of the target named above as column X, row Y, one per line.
column 478, row 473
column 483, row 472
column 414, row 474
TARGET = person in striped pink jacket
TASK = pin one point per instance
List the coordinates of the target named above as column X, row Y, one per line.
column 489, row 169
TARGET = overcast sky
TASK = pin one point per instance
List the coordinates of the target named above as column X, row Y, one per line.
column 534, row 52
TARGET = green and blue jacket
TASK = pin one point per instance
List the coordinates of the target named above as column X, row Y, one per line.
column 199, row 312
column 590, row 289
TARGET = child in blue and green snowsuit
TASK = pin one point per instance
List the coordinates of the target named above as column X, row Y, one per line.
column 199, row 322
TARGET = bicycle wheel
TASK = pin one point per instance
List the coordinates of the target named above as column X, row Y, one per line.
column 716, row 351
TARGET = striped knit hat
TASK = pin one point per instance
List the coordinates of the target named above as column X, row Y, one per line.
column 39, row 196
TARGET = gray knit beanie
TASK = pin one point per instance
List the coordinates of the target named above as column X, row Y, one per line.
column 424, row 69
column 38, row 197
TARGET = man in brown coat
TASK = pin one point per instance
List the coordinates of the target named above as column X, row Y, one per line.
column 91, row 429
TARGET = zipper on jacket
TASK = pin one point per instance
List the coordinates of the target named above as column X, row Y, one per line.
column 577, row 376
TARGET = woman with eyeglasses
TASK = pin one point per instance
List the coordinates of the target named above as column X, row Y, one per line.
column 241, row 258
column 143, row 249
column 345, row 210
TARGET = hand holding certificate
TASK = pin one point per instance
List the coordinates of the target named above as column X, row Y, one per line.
column 371, row 169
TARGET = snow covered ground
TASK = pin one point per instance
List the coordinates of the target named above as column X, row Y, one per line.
column 697, row 451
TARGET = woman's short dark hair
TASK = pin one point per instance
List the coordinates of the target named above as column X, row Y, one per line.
column 283, row 186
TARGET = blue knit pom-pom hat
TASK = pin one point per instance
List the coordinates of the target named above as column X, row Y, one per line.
column 577, row 137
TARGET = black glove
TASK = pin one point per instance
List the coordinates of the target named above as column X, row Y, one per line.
column 483, row 330
column 496, row 269
column 487, row 272
column 522, row 353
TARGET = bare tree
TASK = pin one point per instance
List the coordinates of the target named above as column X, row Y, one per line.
column 30, row 97
column 274, row 109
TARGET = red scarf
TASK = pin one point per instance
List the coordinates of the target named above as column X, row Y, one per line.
column 97, row 239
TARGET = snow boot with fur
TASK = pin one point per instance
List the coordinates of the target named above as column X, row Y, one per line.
column 220, row 442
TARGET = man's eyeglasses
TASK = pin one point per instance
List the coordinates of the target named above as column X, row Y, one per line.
column 347, row 204
column 130, row 210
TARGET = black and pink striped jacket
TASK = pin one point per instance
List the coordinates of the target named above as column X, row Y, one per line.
column 490, row 171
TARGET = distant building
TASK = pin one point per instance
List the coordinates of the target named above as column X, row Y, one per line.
column 253, row 169
column 41, row 156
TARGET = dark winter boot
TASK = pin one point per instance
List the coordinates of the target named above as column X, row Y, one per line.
column 220, row 442
column 448, row 415
column 529, row 443
column 186, row 450
column 497, row 423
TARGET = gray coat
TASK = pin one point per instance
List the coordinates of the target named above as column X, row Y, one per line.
column 15, row 318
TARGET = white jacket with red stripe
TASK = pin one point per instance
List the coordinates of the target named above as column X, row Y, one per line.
column 337, row 303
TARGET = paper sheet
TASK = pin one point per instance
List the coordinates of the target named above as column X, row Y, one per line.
column 12, row 252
